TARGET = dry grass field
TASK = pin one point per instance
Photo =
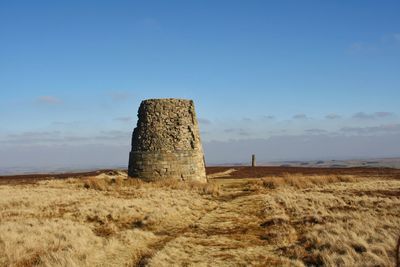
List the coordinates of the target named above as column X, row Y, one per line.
column 286, row 218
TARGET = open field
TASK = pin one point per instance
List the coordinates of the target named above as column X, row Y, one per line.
column 264, row 216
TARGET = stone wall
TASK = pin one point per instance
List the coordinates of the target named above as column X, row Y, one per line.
column 166, row 142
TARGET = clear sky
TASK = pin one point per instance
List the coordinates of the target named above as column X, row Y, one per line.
column 265, row 76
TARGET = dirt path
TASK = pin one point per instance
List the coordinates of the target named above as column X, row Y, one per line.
column 274, row 228
column 232, row 234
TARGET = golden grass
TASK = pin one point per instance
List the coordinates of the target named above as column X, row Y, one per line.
column 398, row 253
column 119, row 183
column 109, row 220
column 300, row 181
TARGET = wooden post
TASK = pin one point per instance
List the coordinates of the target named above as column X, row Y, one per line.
column 253, row 160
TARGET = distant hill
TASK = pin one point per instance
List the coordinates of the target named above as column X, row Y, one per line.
column 384, row 162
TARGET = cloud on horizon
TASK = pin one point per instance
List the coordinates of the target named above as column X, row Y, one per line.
column 371, row 116
column 363, row 135
column 238, row 131
column 388, row 128
column 316, row 131
column 302, row 147
column 59, row 150
column 52, row 138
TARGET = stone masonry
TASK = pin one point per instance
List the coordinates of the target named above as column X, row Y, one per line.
column 166, row 142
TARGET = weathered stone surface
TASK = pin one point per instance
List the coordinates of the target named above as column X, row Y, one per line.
column 166, row 142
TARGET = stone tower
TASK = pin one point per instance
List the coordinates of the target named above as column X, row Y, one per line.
column 166, row 142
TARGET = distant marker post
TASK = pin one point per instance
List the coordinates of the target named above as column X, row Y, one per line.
column 253, row 160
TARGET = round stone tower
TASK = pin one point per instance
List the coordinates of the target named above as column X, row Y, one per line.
column 166, row 142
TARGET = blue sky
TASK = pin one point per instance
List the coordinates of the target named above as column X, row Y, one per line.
column 73, row 73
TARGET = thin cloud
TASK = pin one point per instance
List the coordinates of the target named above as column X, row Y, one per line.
column 68, row 123
column 388, row 128
column 114, row 133
column 76, row 138
column 370, row 116
column 124, row 119
column 280, row 131
column 32, row 137
column 244, row 133
column 238, row 131
column 300, row 116
column 315, row 131
column 48, row 100
column 268, row 117
column 25, row 135
column 204, row 121
column 230, row 130
column 384, row 114
column 332, row 116
column 57, row 137
column 363, row 116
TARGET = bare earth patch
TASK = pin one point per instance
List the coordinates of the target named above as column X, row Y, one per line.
column 288, row 220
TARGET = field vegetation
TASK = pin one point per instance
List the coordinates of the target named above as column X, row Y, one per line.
column 289, row 219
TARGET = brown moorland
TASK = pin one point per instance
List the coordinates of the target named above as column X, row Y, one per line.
column 263, row 216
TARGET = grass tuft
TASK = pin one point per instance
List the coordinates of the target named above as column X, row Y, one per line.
column 300, row 181
column 120, row 183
